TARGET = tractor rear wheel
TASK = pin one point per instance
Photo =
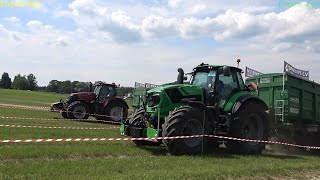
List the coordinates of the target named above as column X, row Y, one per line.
column 185, row 121
column 78, row 110
column 115, row 111
column 251, row 123
column 137, row 121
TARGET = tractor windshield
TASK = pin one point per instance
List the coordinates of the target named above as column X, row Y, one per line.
column 203, row 78
column 105, row 92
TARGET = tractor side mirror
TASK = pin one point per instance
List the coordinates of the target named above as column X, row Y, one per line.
column 180, row 77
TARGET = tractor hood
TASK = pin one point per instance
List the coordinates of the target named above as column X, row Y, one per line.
column 84, row 96
column 172, row 86
column 176, row 93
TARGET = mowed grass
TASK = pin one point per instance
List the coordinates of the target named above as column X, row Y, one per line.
column 119, row 159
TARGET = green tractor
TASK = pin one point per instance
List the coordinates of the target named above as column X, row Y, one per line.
column 214, row 102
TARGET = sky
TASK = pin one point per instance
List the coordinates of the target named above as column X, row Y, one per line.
column 125, row 41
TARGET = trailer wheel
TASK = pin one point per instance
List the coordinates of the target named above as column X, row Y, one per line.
column 251, row 122
column 78, row 110
column 137, row 120
column 185, row 121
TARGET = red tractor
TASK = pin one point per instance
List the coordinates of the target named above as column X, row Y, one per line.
column 102, row 103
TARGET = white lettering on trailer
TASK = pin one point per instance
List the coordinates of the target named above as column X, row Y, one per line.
column 294, row 110
column 264, row 80
column 294, row 100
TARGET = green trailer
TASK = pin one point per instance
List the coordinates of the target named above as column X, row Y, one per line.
column 138, row 97
column 139, row 94
column 294, row 105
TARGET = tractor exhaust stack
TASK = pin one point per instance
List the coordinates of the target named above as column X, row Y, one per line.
column 180, row 77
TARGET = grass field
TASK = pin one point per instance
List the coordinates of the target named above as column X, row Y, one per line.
column 119, row 159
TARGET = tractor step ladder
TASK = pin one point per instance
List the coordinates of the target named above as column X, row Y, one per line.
column 279, row 110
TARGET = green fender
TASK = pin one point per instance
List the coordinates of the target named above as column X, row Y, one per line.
column 239, row 98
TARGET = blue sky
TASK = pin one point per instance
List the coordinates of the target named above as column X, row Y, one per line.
column 147, row 40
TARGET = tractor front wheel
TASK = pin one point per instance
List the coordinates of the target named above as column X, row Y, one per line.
column 137, row 121
column 78, row 110
column 185, row 121
column 64, row 114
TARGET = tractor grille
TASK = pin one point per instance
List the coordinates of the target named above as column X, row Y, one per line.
column 176, row 96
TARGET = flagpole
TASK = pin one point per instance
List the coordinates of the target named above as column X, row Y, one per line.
column 284, row 73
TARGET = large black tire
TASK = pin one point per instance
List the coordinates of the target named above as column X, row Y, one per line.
column 137, row 120
column 64, row 115
column 112, row 112
column 78, row 110
column 251, row 122
column 185, row 121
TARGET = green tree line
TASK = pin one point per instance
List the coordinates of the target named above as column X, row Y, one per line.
column 29, row 82
column 24, row 82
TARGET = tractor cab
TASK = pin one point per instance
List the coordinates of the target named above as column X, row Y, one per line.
column 219, row 82
column 104, row 91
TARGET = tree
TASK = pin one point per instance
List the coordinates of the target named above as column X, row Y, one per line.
column 82, row 87
column 20, row 82
column 121, row 91
column 74, row 86
column 65, row 87
column 32, row 82
column 53, row 86
column 5, row 81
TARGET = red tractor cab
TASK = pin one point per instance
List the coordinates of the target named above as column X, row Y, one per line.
column 102, row 103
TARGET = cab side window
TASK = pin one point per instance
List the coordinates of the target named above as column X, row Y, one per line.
column 240, row 80
column 226, row 85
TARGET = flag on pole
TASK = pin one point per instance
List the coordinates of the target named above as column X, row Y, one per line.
column 139, row 85
column 289, row 69
column 251, row 72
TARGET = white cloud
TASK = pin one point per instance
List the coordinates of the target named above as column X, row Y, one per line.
column 174, row 3
column 9, row 35
column 289, row 26
column 282, row 47
column 12, row 19
column 198, row 8
column 257, row 9
column 120, row 28
column 118, row 43
column 157, row 26
column 38, row 27
column 89, row 7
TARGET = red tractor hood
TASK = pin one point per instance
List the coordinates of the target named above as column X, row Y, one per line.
column 84, row 96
